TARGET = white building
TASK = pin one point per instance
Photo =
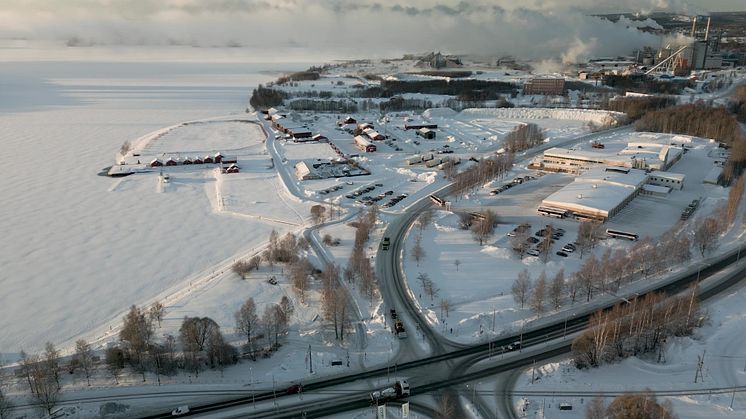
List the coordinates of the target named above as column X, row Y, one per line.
column 600, row 193
column 303, row 172
column 635, row 155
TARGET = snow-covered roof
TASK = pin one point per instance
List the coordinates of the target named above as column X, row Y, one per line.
column 656, row 155
column 599, row 191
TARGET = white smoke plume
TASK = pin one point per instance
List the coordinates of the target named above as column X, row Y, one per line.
column 533, row 29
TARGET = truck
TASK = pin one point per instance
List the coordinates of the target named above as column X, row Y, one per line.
column 398, row 391
column 385, row 243
column 399, row 329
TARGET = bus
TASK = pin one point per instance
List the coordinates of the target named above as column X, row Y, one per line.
column 552, row 212
column 437, row 200
column 617, row 234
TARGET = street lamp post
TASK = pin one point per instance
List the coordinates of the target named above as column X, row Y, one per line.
column 253, row 393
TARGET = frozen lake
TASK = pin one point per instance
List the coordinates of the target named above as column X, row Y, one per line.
column 77, row 248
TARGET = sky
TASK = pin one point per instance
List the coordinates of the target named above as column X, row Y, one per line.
column 529, row 28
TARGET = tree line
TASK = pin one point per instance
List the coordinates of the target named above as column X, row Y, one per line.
column 469, row 87
column 266, row 97
column 482, row 172
column 359, row 269
column 523, row 137
column 637, row 106
column 200, row 344
column 598, row 274
column 638, row 327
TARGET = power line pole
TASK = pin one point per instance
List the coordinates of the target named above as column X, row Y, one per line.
column 533, row 371
column 310, row 359
column 700, row 365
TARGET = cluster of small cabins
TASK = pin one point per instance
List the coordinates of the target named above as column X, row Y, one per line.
column 297, row 133
column 229, row 164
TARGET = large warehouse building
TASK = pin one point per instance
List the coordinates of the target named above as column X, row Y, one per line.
column 598, row 194
column 636, row 155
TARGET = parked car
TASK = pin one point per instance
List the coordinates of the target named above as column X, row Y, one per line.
column 561, row 253
column 532, row 240
column 567, row 249
column 532, row 252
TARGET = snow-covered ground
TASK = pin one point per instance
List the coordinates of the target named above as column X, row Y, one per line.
column 721, row 341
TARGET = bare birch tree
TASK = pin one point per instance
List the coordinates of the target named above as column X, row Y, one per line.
column 556, row 289
column 417, row 252
column 539, row 294
column 84, row 356
column 484, row 226
column 521, row 287
column 156, row 312
column 247, row 321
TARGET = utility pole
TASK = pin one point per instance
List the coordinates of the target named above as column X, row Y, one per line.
column 274, row 393
column 253, row 398
column 700, row 365
column 493, row 319
column 533, row 371
column 310, row 359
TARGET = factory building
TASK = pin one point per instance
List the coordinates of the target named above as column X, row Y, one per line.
column 545, row 86
column 599, row 194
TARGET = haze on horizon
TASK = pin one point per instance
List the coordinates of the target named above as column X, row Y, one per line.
column 537, row 29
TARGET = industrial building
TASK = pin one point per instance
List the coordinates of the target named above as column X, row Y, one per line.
column 599, row 194
column 545, row 86
column 637, row 155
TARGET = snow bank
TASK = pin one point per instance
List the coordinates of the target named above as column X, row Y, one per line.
column 595, row 116
column 439, row 113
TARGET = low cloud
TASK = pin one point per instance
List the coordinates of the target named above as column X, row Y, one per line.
column 536, row 29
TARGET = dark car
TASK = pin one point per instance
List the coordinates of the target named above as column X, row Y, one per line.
column 561, row 253
column 294, row 389
column 514, row 346
column 393, row 314
column 532, row 240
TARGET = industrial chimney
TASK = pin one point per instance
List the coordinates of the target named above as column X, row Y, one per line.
column 694, row 26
